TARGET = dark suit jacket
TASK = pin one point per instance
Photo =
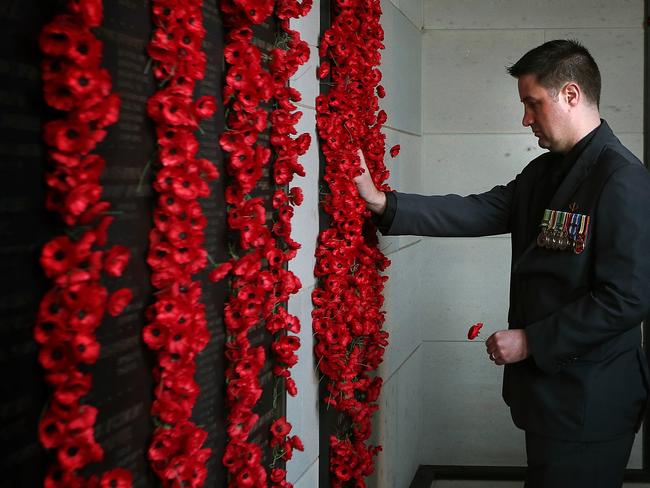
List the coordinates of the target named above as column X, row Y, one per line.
column 586, row 378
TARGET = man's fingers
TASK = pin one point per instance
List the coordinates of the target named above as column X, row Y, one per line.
column 365, row 173
column 362, row 162
column 494, row 349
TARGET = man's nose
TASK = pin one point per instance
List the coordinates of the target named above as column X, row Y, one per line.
column 527, row 120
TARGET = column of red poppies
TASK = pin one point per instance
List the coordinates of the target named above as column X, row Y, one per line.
column 347, row 318
column 248, row 84
column 284, row 64
column 177, row 327
column 69, row 314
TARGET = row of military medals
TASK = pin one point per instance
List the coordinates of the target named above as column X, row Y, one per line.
column 563, row 230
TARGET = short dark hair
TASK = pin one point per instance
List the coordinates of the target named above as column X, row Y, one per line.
column 555, row 63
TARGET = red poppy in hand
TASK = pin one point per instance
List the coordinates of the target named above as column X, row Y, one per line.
column 474, row 331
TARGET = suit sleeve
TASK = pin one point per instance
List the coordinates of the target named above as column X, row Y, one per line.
column 620, row 296
column 450, row 215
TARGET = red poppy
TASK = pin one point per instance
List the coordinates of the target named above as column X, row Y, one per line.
column 85, row 348
column 279, row 430
column 474, row 330
column 57, row 37
column 118, row 301
column 75, row 453
column 291, row 387
column 115, row 260
column 90, row 11
column 51, row 431
column 57, row 477
column 85, row 82
column 69, row 136
column 57, row 256
column 116, row 478
column 323, row 70
column 205, row 107
column 170, row 108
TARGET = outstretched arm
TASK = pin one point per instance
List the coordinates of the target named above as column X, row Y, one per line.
column 441, row 216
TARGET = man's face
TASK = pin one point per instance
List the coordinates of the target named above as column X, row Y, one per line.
column 547, row 116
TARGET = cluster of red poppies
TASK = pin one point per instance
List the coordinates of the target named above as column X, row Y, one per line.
column 70, row 312
column 177, row 326
column 347, row 316
column 260, row 283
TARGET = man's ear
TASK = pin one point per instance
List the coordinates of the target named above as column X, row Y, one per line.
column 572, row 94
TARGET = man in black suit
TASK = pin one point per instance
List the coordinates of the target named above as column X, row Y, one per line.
column 575, row 374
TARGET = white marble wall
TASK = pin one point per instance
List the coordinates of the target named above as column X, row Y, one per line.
column 302, row 410
column 473, row 139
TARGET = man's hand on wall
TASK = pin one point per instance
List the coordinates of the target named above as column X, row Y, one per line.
column 375, row 199
column 507, row 346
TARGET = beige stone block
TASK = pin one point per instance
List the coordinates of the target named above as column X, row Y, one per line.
column 397, row 426
column 476, row 484
column 465, row 87
column 464, row 281
column 520, row 14
column 385, row 433
column 414, row 11
column 309, row 479
column 474, row 163
column 410, row 410
column 465, row 419
column 401, row 70
column 502, row 484
column 405, row 294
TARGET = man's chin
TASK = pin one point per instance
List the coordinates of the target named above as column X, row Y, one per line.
column 544, row 144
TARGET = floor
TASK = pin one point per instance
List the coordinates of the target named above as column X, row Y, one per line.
column 503, row 484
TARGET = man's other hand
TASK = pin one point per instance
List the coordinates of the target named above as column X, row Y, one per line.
column 507, row 346
column 375, row 199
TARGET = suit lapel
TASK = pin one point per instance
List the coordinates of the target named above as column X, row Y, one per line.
column 574, row 178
